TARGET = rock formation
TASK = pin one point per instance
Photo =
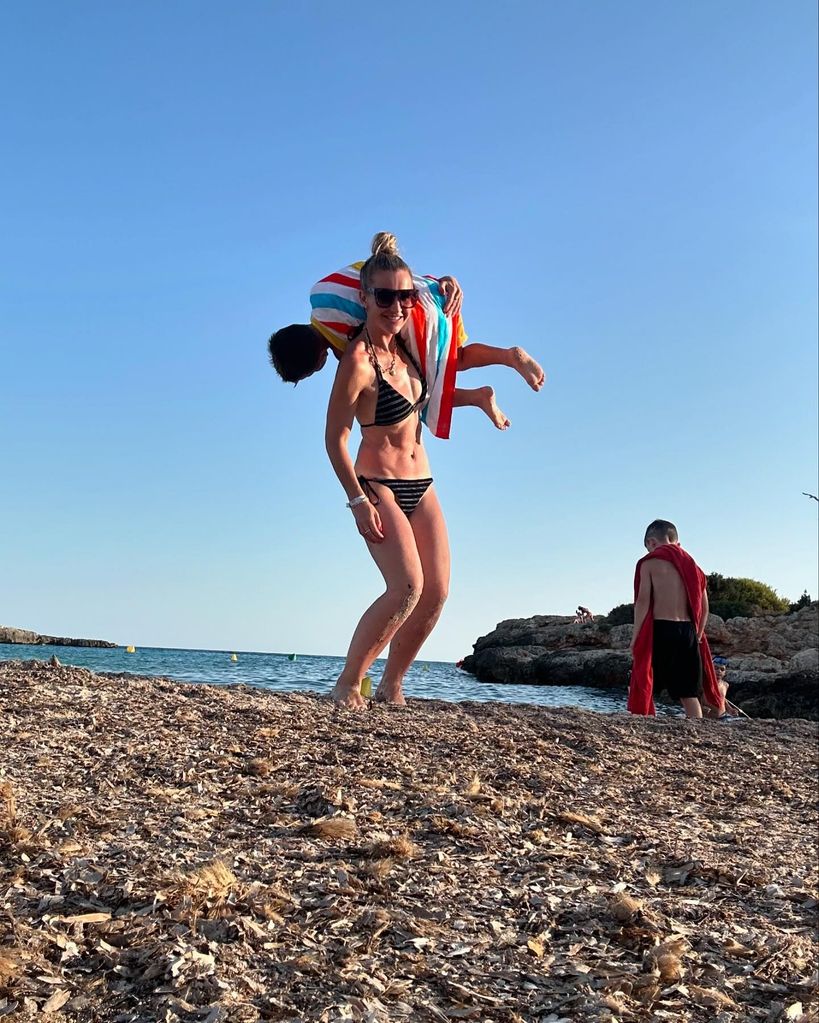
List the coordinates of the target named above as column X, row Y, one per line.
column 773, row 659
column 12, row 635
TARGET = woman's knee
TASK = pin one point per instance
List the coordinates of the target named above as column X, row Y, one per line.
column 405, row 593
column 434, row 594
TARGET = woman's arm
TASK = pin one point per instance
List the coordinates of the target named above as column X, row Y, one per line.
column 351, row 377
column 340, row 417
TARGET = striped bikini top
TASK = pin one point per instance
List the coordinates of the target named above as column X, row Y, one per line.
column 391, row 406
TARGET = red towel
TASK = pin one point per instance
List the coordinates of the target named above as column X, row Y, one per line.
column 640, row 692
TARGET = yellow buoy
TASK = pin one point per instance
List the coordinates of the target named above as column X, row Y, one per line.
column 130, row 650
column 233, row 657
column 366, row 687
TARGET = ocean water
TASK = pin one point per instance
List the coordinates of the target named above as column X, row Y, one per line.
column 426, row 679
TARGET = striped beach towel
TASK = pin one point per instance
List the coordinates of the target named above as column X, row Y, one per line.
column 432, row 338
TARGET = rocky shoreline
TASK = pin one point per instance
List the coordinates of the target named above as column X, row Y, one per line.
column 9, row 634
column 773, row 659
column 194, row 854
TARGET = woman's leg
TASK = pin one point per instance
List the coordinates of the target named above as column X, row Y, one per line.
column 398, row 560
column 473, row 356
column 429, row 529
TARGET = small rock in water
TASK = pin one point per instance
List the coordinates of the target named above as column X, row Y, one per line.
column 55, row 661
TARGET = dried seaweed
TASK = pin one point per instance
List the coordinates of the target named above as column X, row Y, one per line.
column 187, row 853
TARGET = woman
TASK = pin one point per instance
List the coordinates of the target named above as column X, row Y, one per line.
column 389, row 487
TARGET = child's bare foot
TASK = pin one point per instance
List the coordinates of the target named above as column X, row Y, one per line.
column 486, row 401
column 530, row 370
column 348, row 695
column 390, row 694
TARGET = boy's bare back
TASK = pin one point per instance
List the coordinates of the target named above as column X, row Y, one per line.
column 668, row 591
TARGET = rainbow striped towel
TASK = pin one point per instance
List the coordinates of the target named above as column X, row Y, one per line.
column 432, row 338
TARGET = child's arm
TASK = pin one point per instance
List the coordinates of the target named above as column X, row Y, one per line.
column 703, row 616
column 453, row 295
column 642, row 604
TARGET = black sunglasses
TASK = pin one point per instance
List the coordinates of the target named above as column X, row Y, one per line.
column 384, row 297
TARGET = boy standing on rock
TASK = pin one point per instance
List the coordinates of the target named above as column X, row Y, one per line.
column 669, row 647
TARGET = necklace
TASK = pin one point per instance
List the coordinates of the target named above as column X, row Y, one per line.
column 393, row 348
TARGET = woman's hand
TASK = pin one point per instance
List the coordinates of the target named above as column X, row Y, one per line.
column 453, row 295
column 368, row 522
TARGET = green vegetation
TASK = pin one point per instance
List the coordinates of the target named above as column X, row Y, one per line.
column 743, row 598
column 804, row 601
column 729, row 598
column 623, row 614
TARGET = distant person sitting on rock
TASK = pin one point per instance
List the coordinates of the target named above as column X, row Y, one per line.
column 721, row 671
column 585, row 614
column 669, row 647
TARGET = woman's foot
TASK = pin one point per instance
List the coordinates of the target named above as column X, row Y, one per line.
column 530, row 370
column 348, row 695
column 390, row 694
column 486, row 401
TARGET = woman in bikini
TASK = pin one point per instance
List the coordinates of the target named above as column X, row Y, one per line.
column 389, row 487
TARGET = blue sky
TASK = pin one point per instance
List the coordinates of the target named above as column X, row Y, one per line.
column 628, row 190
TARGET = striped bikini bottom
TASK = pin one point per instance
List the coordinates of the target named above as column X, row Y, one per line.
column 407, row 492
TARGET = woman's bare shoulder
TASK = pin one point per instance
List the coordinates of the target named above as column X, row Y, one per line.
column 356, row 359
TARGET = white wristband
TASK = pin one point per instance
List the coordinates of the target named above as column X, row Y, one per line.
column 354, row 502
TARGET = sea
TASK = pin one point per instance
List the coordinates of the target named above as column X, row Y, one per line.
column 293, row 672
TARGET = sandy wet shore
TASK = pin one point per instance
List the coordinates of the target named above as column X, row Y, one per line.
column 180, row 852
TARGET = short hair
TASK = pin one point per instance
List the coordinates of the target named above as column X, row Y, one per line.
column 384, row 256
column 663, row 530
column 295, row 351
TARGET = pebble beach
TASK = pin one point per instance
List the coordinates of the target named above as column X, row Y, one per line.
column 179, row 852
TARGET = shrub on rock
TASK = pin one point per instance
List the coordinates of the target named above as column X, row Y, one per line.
column 743, row 598
column 623, row 614
column 804, row 601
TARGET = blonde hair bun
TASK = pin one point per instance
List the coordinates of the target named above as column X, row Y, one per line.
column 385, row 243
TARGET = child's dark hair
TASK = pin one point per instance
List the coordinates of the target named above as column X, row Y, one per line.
column 662, row 530
column 295, row 351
